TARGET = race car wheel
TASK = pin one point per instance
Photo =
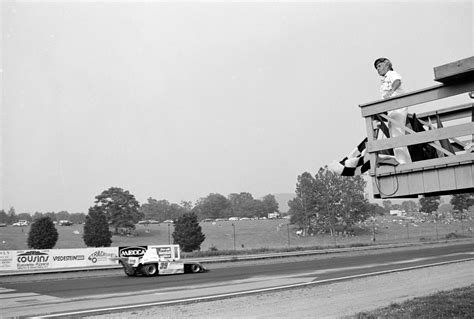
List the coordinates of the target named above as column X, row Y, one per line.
column 196, row 268
column 149, row 269
column 130, row 272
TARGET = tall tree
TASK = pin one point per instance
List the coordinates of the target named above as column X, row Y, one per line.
column 213, row 206
column 37, row 215
column 161, row 210
column 462, row 202
column 24, row 216
column 187, row 232
column 43, row 234
column 96, row 229
column 63, row 215
column 409, row 206
column 376, row 209
column 303, row 208
column 244, row 205
column 120, row 208
column 387, row 205
column 270, row 204
column 155, row 209
column 329, row 201
column 187, row 205
column 429, row 204
column 3, row 217
column 51, row 215
column 78, row 218
column 12, row 218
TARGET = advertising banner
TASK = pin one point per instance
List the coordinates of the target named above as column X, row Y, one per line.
column 101, row 256
column 65, row 258
column 57, row 258
column 7, row 259
column 33, row 259
column 132, row 251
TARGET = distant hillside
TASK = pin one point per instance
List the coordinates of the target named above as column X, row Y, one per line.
column 282, row 200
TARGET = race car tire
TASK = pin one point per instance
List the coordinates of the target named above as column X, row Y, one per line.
column 131, row 272
column 196, row 268
column 149, row 269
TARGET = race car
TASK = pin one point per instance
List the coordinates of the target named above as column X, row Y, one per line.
column 159, row 260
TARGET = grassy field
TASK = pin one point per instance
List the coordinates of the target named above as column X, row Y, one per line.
column 258, row 234
column 457, row 303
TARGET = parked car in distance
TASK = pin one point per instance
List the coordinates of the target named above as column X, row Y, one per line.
column 65, row 223
column 168, row 221
column 21, row 223
column 148, row 221
column 3, row 225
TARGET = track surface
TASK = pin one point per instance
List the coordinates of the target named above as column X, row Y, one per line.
column 229, row 278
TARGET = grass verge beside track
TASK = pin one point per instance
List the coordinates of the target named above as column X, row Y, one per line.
column 457, row 303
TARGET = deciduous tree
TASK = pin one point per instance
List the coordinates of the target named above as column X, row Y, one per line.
column 12, row 218
column 387, row 205
column 462, row 202
column 409, row 206
column 3, row 217
column 161, row 210
column 329, row 201
column 303, row 208
column 120, row 208
column 213, row 206
column 270, row 204
column 429, row 204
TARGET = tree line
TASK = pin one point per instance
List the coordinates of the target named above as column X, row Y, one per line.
column 11, row 217
column 124, row 209
column 118, row 209
column 325, row 202
column 212, row 206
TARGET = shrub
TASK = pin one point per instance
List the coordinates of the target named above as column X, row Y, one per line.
column 43, row 234
column 452, row 236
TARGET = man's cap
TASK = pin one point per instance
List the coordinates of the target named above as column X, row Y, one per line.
column 380, row 60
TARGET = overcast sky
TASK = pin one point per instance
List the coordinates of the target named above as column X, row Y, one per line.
column 178, row 100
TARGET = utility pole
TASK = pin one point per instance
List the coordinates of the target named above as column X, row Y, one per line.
column 288, row 228
column 169, row 237
column 233, row 226
column 334, row 226
column 373, row 228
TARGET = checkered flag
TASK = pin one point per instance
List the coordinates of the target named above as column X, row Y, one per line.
column 356, row 163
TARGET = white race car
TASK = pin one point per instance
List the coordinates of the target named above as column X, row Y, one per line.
column 159, row 260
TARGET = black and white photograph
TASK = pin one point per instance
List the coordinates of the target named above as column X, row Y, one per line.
column 236, row 159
